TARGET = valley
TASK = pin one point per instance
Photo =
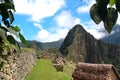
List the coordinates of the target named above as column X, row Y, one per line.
column 78, row 46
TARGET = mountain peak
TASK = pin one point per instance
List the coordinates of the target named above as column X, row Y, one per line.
column 78, row 28
column 80, row 46
column 75, row 43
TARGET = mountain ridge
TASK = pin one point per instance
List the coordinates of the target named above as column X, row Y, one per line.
column 46, row 45
column 114, row 37
column 81, row 46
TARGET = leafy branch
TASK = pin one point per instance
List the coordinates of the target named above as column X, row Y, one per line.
column 103, row 10
column 7, row 30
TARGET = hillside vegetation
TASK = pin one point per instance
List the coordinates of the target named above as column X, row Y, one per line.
column 44, row 70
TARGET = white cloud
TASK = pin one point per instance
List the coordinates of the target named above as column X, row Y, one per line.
column 98, row 31
column 65, row 19
column 38, row 25
column 85, row 8
column 38, row 9
column 118, row 21
column 77, row 21
column 49, row 36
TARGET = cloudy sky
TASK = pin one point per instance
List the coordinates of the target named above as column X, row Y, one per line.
column 50, row 20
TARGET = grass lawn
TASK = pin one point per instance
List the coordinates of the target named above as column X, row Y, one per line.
column 63, row 76
column 45, row 71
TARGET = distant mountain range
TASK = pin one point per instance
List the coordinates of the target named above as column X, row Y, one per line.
column 81, row 46
column 47, row 45
column 114, row 37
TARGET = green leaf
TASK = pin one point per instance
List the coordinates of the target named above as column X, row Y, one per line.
column 8, row 1
column 118, row 5
column 111, row 19
column 16, row 28
column 11, row 16
column 94, row 14
column 102, row 2
column 22, row 39
column 102, row 11
column 112, row 2
column 13, row 32
column 4, row 15
column 11, row 39
column 7, row 6
column 6, row 22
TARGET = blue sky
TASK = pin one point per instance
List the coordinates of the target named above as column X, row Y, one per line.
column 50, row 20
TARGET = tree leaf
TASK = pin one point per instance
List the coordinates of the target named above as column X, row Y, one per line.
column 9, row 1
column 112, row 2
column 118, row 5
column 102, row 2
column 7, row 23
column 111, row 19
column 11, row 16
column 7, row 6
column 22, row 39
column 94, row 14
column 16, row 28
column 13, row 32
column 4, row 15
column 11, row 39
column 102, row 11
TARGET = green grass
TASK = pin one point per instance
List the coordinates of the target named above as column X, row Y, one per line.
column 45, row 71
column 63, row 76
column 69, row 69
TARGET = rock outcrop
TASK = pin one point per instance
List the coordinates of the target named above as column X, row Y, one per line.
column 17, row 66
column 80, row 46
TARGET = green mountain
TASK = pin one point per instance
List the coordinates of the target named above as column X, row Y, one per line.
column 47, row 45
column 80, row 46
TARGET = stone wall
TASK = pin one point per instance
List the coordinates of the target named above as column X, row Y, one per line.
column 87, row 71
column 17, row 66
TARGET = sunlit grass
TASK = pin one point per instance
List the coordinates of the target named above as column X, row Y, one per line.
column 44, row 70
